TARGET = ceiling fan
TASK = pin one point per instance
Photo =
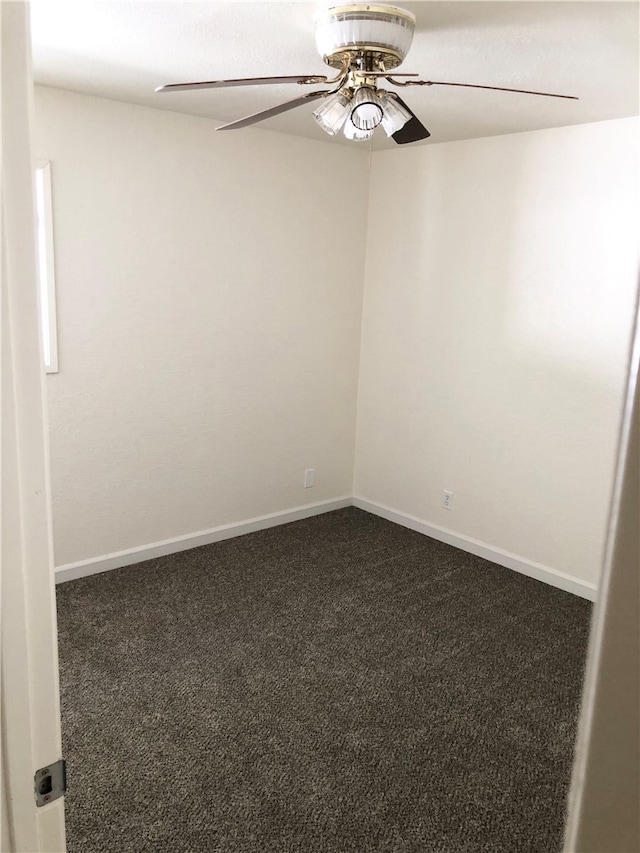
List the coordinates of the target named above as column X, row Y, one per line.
column 365, row 43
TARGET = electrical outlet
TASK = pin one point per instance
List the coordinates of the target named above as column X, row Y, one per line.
column 309, row 478
column 447, row 500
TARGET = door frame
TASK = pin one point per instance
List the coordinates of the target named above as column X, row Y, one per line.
column 29, row 698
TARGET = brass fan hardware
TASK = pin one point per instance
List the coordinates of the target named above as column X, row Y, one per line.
column 476, row 86
column 363, row 43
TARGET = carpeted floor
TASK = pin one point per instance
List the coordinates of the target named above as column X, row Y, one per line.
column 337, row 684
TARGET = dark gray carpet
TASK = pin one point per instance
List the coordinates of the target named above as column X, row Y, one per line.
column 337, row 684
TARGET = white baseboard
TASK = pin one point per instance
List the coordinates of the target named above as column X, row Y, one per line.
column 119, row 559
column 553, row 577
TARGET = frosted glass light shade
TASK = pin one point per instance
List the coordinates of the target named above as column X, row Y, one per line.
column 367, row 112
column 383, row 27
column 395, row 116
column 354, row 133
column 332, row 112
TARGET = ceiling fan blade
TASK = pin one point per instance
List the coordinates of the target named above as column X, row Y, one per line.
column 244, row 81
column 494, row 88
column 273, row 111
column 413, row 130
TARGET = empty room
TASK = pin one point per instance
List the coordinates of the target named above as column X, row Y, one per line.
column 320, row 486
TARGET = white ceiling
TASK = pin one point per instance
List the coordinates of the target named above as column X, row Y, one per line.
column 123, row 50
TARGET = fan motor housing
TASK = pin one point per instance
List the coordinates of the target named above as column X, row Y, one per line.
column 373, row 36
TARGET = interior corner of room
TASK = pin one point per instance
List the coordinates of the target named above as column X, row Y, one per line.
column 213, row 350
column 354, row 422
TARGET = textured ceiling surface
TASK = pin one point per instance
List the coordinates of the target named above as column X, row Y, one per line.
column 123, row 50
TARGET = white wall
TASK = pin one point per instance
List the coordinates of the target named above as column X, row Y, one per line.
column 500, row 285
column 209, row 349
column 209, row 305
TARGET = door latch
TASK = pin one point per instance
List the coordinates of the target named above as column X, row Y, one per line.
column 50, row 782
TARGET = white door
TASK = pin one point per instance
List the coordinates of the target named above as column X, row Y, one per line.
column 29, row 698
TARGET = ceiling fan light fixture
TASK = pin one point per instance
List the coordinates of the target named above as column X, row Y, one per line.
column 354, row 133
column 394, row 116
column 364, row 42
column 367, row 112
column 378, row 29
column 332, row 113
